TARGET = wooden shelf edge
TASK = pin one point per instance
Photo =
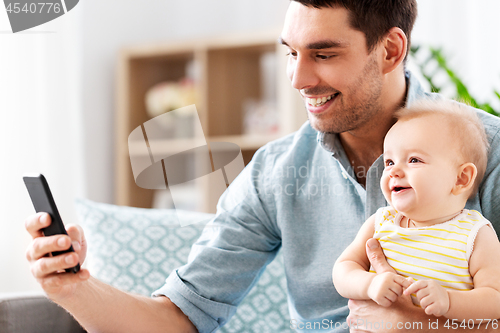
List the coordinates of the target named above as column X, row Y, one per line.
column 245, row 142
column 151, row 50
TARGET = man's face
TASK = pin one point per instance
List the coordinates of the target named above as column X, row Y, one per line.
column 328, row 62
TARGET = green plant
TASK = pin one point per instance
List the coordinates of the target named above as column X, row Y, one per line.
column 462, row 93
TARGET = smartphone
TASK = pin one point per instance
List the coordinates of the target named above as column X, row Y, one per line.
column 42, row 199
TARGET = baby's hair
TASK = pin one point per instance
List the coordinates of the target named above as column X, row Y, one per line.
column 465, row 125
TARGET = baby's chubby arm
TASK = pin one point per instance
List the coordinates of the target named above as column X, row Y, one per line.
column 352, row 279
column 482, row 302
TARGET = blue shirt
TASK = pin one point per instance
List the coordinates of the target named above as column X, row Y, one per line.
column 298, row 194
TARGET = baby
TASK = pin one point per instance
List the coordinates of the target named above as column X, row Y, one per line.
column 445, row 256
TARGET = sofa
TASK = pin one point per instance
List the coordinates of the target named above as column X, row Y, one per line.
column 135, row 249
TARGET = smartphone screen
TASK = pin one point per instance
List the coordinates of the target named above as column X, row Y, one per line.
column 42, row 199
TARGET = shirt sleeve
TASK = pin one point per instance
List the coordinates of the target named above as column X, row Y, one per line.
column 489, row 191
column 231, row 253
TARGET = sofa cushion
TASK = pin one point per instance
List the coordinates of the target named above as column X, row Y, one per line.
column 34, row 312
column 135, row 249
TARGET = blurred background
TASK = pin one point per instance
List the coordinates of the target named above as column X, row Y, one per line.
column 63, row 83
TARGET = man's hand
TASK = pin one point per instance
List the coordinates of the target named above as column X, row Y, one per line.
column 368, row 316
column 365, row 315
column 433, row 298
column 377, row 257
column 48, row 270
column 386, row 286
column 97, row 306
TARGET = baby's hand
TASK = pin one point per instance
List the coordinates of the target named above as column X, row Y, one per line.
column 432, row 296
column 385, row 288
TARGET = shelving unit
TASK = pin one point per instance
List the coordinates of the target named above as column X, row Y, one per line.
column 228, row 72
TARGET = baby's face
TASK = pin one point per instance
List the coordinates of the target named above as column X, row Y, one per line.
column 421, row 167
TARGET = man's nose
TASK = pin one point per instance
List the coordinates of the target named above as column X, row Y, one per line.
column 301, row 73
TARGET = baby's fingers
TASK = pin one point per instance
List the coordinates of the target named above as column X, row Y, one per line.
column 415, row 287
column 406, row 282
column 401, row 284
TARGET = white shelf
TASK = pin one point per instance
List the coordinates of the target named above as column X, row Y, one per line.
column 230, row 72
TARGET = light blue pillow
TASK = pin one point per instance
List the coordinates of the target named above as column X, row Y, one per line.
column 135, row 249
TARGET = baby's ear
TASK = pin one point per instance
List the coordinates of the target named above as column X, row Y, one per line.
column 466, row 176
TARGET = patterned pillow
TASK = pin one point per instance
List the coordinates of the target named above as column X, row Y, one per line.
column 135, row 249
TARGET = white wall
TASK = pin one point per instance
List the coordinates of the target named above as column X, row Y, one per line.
column 80, row 98
column 40, row 132
column 469, row 33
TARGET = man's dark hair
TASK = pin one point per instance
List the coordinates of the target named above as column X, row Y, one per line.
column 374, row 17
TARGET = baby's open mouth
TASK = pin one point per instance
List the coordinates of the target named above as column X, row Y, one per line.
column 399, row 188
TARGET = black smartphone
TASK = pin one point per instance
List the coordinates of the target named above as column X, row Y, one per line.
column 42, row 199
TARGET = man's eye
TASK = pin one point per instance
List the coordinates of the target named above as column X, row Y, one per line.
column 324, row 57
column 291, row 53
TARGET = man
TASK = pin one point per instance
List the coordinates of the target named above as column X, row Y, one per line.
column 307, row 193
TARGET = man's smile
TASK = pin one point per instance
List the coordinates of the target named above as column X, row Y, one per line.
column 319, row 100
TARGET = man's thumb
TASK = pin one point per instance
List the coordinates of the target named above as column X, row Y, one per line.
column 377, row 257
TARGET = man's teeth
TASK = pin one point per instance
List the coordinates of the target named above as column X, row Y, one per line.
column 319, row 101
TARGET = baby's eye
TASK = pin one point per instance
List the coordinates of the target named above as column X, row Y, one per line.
column 389, row 163
column 414, row 160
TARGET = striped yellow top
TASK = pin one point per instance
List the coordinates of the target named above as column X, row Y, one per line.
column 440, row 252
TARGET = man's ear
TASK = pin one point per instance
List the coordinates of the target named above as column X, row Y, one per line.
column 395, row 44
column 467, row 174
